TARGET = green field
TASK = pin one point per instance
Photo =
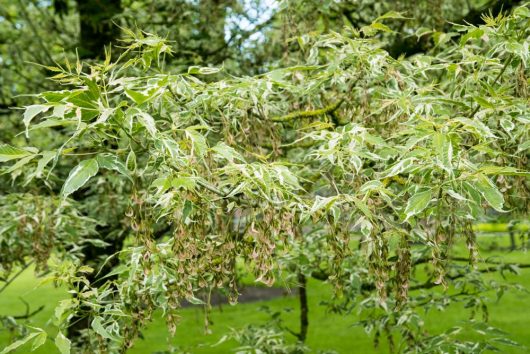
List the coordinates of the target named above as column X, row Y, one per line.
column 326, row 331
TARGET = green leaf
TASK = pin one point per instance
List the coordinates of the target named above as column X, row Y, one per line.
column 31, row 112
column 507, row 341
column 507, row 125
column 61, row 311
column 286, row 177
column 148, row 122
column 79, row 175
column 440, row 38
column 162, row 183
column 8, row 152
column 323, row 203
column 105, row 114
column 20, row 163
column 111, row 162
column 524, row 146
column 370, row 186
column 62, row 343
column 417, row 203
column 198, row 140
column 392, row 15
column 483, row 102
column 116, row 271
column 475, row 199
column 186, row 183
column 171, row 147
column 363, row 207
column 40, row 339
column 19, row 343
column 186, row 211
column 490, row 192
column 381, row 27
column 444, row 150
column 455, row 195
column 522, row 11
column 99, row 329
column 93, row 88
column 356, row 162
column 365, row 226
column 227, row 152
column 137, row 97
column 476, row 126
column 476, row 33
column 55, row 96
column 400, row 167
column 502, row 170
column 47, row 156
column 202, row 70
column 130, row 163
column 518, row 49
column 48, row 123
column 53, row 68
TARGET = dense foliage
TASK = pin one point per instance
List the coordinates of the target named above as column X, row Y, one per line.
column 138, row 184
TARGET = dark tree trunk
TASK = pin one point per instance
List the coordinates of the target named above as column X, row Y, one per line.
column 97, row 29
column 304, row 308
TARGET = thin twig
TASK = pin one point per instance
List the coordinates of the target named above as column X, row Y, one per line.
column 28, row 315
column 508, row 61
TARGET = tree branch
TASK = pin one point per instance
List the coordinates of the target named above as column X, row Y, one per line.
column 491, row 269
column 28, row 314
column 323, row 276
column 307, row 114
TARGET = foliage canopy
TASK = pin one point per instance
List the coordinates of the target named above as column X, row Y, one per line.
column 138, row 184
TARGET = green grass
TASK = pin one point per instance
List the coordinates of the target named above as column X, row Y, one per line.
column 326, row 331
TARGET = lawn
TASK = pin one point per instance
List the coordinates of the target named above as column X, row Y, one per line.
column 326, row 331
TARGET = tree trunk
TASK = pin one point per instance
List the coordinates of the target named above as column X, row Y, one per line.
column 304, row 308
column 96, row 27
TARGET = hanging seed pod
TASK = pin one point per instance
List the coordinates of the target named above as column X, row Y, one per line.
column 378, row 263
column 402, row 268
column 471, row 242
column 437, row 252
column 338, row 240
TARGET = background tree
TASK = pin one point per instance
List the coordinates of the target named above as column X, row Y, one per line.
column 323, row 148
